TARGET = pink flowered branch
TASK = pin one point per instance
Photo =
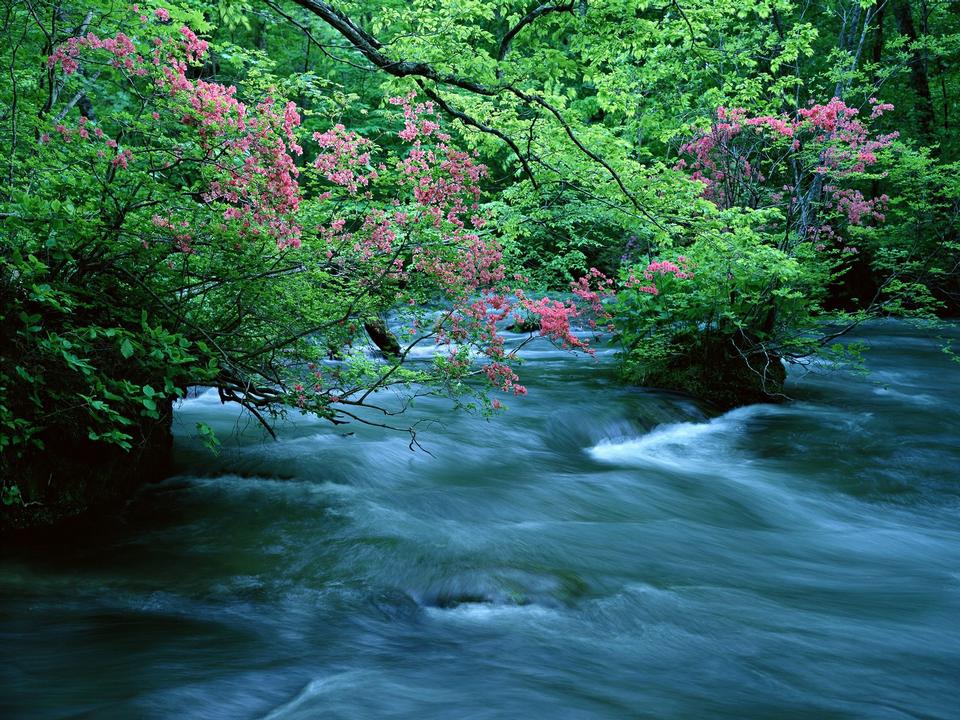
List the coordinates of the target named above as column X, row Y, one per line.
column 431, row 235
column 802, row 163
column 680, row 270
column 246, row 151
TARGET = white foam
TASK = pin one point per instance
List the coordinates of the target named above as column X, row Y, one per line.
column 490, row 613
column 665, row 445
column 315, row 688
column 905, row 397
column 674, row 444
column 206, row 396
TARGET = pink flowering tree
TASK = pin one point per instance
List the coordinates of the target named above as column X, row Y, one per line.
column 168, row 230
column 424, row 254
column 778, row 202
column 812, row 166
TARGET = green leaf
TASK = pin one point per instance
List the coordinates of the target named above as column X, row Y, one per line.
column 208, row 437
column 11, row 495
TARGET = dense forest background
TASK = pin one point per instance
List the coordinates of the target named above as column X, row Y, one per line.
column 247, row 195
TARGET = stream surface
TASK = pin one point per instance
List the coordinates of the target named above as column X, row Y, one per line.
column 595, row 552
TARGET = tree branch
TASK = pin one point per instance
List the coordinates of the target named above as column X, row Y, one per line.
column 76, row 98
column 472, row 122
column 544, row 9
column 536, row 99
column 370, row 48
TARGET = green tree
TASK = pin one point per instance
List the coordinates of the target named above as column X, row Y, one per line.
column 161, row 229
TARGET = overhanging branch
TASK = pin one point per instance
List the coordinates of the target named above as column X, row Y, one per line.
column 370, row 48
column 472, row 122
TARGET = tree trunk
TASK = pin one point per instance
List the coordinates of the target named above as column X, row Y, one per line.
column 876, row 54
column 382, row 337
column 919, row 79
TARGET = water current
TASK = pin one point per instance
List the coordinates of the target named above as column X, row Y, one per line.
column 596, row 552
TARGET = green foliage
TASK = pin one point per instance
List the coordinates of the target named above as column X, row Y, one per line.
column 735, row 291
column 578, row 109
column 917, row 251
column 208, row 437
column 105, row 321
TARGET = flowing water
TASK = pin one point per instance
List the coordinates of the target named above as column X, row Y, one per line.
column 597, row 552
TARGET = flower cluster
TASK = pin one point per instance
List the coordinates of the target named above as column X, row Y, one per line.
column 246, row 150
column 433, row 239
column 815, row 154
column 430, row 241
column 656, row 269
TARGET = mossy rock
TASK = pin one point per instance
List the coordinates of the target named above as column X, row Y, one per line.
column 717, row 374
column 385, row 340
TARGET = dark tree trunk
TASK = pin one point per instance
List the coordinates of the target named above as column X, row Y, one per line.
column 876, row 54
column 919, row 79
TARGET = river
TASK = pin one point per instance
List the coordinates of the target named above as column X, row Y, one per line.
column 595, row 552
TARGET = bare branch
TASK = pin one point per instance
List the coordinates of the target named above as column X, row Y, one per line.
column 76, row 98
column 371, row 48
column 536, row 99
column 309, row 35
